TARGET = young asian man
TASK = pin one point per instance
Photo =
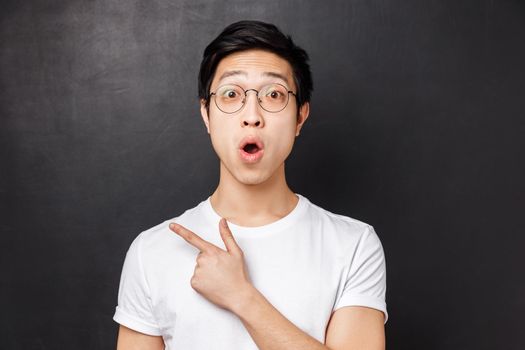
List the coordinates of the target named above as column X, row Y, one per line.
column 255, row 265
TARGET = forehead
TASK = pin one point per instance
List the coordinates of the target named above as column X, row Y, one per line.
column 253, row 66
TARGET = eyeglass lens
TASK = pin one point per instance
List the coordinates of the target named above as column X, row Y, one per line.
column 231, row 98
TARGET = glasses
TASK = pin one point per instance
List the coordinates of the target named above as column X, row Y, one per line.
column 272, row 98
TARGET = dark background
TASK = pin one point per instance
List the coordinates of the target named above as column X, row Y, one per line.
column 417, row 127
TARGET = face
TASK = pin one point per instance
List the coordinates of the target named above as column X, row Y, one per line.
column 252, row 144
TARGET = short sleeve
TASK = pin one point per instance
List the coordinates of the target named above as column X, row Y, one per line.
column 365, row 282
column 134, row 308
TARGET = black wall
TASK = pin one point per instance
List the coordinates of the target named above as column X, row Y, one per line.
column 417, row 127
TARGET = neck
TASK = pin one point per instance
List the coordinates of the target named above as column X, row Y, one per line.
column 253, row 205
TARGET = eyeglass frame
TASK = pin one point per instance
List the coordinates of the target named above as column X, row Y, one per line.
column 258, row 99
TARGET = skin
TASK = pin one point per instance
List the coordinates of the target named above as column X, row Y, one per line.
column 255, row 194
column 221, row 275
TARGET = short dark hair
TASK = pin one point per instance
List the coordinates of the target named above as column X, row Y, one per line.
column 247, row 35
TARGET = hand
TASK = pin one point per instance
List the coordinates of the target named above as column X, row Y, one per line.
column 220, row 275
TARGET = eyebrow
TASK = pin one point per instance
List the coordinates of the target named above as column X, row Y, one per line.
column 265, row 74
column 277, row 75
column 232, row 73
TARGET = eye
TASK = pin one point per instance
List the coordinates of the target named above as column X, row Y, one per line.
column 229, row 92
column 275, row 92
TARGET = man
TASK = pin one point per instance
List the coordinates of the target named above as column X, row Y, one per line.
column 255, row 265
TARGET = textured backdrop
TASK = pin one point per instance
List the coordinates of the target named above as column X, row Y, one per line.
column 417, row 127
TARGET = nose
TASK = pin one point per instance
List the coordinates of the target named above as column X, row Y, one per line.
column 251, row 114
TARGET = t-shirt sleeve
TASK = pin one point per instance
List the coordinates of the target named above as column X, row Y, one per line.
column 134, row 308
column 365, row 282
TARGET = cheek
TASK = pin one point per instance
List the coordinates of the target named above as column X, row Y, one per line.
column 218, row 136
column 221, row 136
column 284, row 143
column 220, row 146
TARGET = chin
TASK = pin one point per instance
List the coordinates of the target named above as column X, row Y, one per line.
column 250, row 176
column 251, row 179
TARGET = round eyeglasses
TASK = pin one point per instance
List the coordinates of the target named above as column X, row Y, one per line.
column 231, row 98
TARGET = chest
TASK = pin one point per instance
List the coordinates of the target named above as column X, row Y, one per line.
column 300, row 280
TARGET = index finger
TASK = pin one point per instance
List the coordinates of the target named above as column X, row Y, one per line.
column 192, row 238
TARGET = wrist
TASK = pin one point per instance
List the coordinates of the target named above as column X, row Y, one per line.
column 246, row 297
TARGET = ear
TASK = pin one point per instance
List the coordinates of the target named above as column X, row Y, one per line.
column 204, row 115
column 304, row 112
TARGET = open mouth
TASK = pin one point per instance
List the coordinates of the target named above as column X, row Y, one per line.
column 251, row 148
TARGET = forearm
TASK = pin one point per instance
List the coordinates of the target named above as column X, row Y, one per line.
column 269, row 329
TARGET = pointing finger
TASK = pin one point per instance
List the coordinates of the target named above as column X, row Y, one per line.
column 192, row 238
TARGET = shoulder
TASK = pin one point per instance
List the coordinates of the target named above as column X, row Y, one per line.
column 341, row 223
column 347, row 230
column 158, row 238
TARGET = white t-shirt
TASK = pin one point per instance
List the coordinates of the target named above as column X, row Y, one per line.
column 307, row 264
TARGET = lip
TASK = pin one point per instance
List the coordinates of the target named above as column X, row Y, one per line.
column 251, row 157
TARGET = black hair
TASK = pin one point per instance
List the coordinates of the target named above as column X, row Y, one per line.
column 247, row 35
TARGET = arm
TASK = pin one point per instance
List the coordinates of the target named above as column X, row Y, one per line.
column 129, row 339
column 349, row 327
column 356, row 327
